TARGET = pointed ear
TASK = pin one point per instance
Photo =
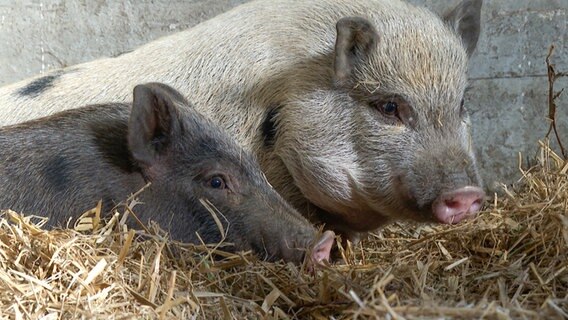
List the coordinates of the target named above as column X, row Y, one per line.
column 465, row 19
column 154, row 122
column 356, row 39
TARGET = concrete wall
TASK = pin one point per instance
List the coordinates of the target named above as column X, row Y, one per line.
column 508, row 74
column 39, row 35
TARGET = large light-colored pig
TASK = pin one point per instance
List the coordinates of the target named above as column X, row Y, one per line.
column 354, row 108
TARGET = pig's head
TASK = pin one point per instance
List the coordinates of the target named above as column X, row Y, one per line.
column 196, row 168
column 389, row 139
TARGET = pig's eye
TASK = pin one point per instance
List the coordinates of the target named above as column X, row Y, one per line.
column 462, row 108
column 217, row 182
column 390, row 108
column 393, row 107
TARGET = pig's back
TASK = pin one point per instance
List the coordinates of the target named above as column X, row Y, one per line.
column 60, row 166
column 247, row 58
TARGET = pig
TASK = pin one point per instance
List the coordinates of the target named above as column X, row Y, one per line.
column 61, row 165
column 354, row 109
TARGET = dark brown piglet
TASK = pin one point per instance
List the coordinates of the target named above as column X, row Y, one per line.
column 60, row 166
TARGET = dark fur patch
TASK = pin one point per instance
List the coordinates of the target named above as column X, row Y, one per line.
column 56, row 172
column 40, row 85
column 111, row 140
column 268, row 126
column 121, row 53
column 108, row 202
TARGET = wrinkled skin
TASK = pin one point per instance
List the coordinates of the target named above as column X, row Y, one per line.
column 353, row 108
column 67, row 162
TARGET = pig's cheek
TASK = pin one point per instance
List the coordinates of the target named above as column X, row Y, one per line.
column 234, row 200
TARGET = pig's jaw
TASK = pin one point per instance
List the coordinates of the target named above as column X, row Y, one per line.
column 346, row 219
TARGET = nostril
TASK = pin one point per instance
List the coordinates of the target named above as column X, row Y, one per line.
column 476, row 205
column 469, row 204
column 452, row 204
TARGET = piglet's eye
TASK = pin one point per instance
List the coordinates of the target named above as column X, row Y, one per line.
column 390, row 108
column 217, row 182
column 387, row 107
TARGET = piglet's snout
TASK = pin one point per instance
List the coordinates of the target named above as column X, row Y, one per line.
column 454, row 206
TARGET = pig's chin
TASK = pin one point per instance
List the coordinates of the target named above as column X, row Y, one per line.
column 436, row 213
column 355, row 216
column 448, row 218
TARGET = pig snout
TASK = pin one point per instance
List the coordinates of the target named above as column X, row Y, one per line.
column 440, row 189
column 321, row 249
column 309, row 247
column 314, row 249
column 454, row 206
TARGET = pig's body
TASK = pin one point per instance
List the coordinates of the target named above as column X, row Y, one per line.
column 304, row 88
column 60, row 166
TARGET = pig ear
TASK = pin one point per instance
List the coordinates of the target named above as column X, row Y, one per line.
column 153, row 123
column 465, row 19
column 356, row 38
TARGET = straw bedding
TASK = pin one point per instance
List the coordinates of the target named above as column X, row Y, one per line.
column 511, row 262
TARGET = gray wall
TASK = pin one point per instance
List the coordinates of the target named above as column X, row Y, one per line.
column 508, row 74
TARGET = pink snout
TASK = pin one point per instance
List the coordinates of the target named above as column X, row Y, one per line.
column 454, row 206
